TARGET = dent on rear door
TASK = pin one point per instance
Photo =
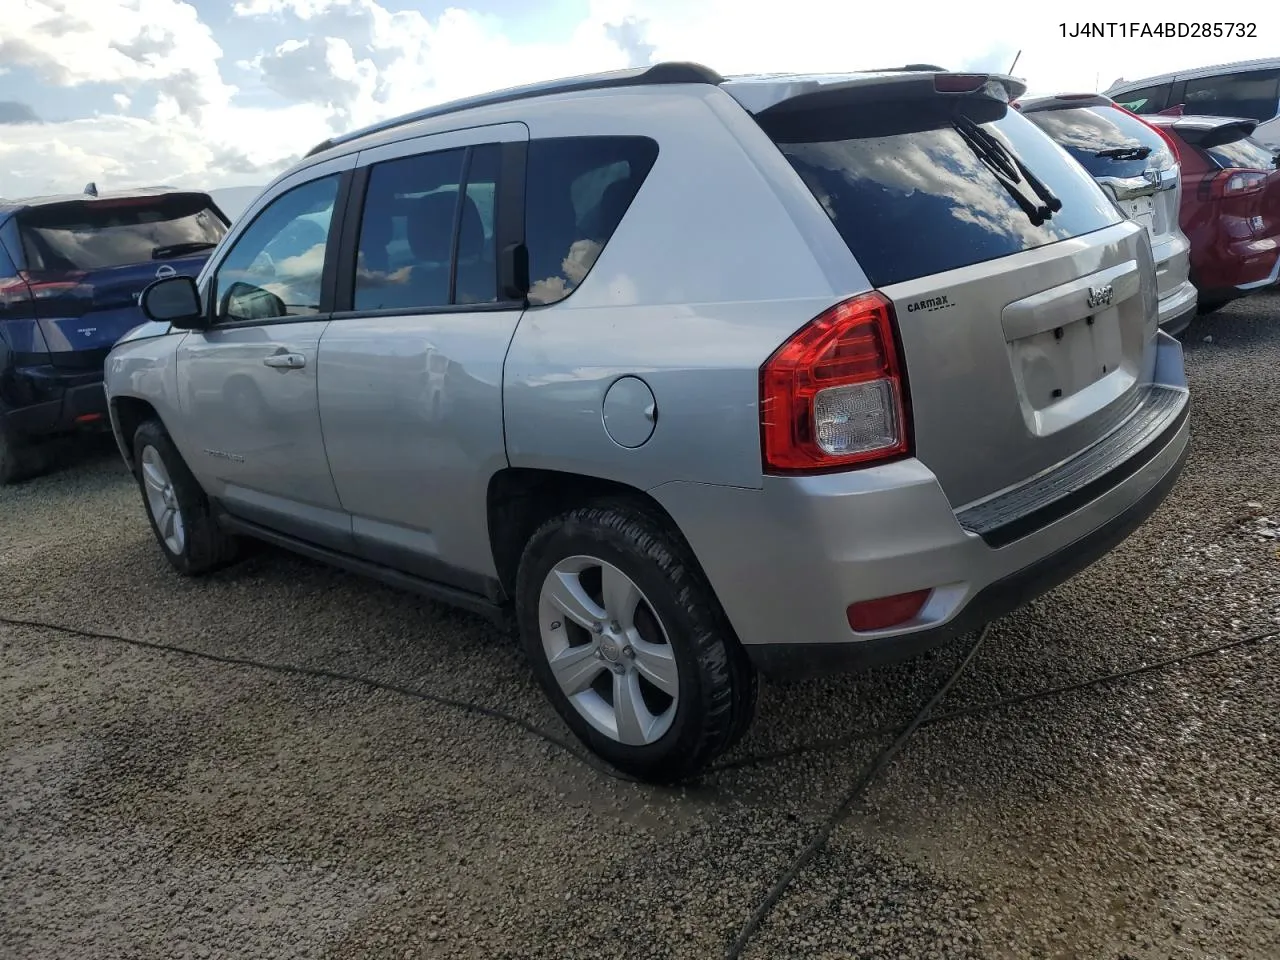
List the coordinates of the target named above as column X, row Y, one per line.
column 410, row 388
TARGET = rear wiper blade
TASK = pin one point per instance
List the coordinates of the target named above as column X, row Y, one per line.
column 181, row 249
column 1010, row 171
column 1125, row 153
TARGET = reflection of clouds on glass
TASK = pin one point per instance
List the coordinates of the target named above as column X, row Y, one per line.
column 383, row 278
column 582, row 255
column 307, row 264
column 937, row 164
column 106, row 239
column 1086, row 130
column 549, row 290
column 1091, row 130
column 574, row 268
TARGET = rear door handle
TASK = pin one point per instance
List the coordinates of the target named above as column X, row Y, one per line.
column 286, row 361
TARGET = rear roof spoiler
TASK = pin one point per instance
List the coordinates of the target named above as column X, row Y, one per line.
column 1209, row 132
column 778, row 94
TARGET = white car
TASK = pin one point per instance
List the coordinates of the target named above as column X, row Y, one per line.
column 1248, row 89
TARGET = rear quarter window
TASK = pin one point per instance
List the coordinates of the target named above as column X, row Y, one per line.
column 1105, row 141
column 911, row 197
column 577, row 191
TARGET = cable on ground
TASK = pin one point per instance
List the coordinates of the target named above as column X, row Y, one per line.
column 860, row 784
column 467, row 706
column 993, row 705
column 925, row 717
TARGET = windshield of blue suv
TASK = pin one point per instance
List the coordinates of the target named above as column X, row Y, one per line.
column 919, row 187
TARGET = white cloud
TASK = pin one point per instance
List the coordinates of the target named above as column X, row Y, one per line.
column 351, row 62
column 70, row 42
column 377, row 63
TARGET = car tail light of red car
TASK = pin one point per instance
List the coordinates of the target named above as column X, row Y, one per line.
column 1231, row 183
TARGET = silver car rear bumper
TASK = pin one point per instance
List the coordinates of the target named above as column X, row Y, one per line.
column 786, row 561
column 1178, row 308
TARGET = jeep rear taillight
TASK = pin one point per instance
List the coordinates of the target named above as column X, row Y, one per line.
column 833, row 396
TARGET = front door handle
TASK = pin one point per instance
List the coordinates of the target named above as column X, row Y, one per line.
column 286, row 361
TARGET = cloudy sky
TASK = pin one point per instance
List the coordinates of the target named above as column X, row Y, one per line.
column 211, row 93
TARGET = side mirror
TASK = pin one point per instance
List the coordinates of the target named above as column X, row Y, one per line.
column 173, row 300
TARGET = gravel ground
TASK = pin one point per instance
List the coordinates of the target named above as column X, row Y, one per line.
column 159, row 805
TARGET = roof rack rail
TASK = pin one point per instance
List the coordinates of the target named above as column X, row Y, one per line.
column 659, row 73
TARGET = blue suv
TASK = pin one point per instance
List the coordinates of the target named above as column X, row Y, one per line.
column 71, row 271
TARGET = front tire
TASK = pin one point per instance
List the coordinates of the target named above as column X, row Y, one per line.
column 630, row 644
column 179, row 512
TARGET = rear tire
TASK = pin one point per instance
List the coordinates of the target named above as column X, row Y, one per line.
column 19, row 459
column 179, row 512
column 648, row 674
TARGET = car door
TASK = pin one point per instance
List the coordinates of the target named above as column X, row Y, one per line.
column 410, row 373
column 247, row 383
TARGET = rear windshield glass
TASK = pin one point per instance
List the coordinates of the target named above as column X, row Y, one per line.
column 1107, row 142
column 91, row 235
column 921, row 187
column 1246, row 153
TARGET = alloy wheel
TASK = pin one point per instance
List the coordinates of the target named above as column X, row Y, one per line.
column 608, row 650
column 162, row 500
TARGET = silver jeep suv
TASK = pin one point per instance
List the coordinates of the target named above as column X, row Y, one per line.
column 696, row 377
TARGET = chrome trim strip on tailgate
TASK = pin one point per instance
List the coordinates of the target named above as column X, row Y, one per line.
column 1060, row 305
column 1157, row 415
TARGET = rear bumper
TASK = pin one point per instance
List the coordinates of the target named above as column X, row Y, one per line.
column 787, row 560
column 1236, row 268
column 68, row 400
column 1178, row 308
column 1269, row 280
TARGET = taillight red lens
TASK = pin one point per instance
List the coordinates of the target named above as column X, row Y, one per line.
column 885, row 612
column 1232, row 183
column 13, row 290
column 50, row 284
column 833, row 395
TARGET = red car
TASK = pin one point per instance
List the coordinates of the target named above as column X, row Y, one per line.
column 1230, row 207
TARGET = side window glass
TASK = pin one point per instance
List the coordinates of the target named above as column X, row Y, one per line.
column 275, row 267
column 578, row 189
column 412, row 212
column 1147, row 100
column 406, row 232
column 1254, row 95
